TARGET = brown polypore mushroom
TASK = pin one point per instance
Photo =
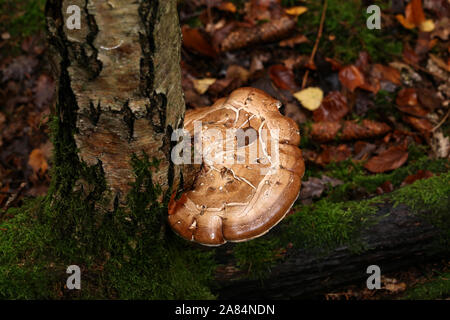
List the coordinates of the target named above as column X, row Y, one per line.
column 240, row 198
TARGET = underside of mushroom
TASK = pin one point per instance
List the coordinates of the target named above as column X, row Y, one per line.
column 251, row 170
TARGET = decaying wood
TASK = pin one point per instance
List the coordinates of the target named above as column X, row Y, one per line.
column 120, row 75
column 399, row 240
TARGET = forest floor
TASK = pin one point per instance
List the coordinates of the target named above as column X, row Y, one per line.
column 372, row 105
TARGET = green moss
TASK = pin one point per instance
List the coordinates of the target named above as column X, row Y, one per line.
column 437, row 288
column 430, row 198
column 320, row 227
column 355, row 177
column 346, row 20
column 27, row 17
column 327, row 224
column 123, row 252
column 126, row 254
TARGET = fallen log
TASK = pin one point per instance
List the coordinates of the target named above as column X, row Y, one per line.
column 399, row 239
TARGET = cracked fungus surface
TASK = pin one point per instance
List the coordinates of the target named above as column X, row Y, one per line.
column 241, row 191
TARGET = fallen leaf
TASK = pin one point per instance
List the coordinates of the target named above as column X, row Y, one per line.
column 296, row 11
column 407, row 98
column 246, row 36
column 363, row 150
column 427, row 26
column 351, row 77
column 409, row 55
column 407, row 101
column 385, row 187
column 422, row 125
column 310, row 98
column 202, row 85
column 333, row 154
column 197, row 41
column 227, row 6
column 283, row 77
column 314, row 187
column 429, row 98
column 38, row 162
column 391, row 159
column 421, row 174
column 440, row 62
column 395, row 287
column 333, row 108
column 405, row 23
column 347, row 130
column 386, row 73
column 414, row 12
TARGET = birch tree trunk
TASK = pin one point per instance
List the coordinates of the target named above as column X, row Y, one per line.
column 119, row 87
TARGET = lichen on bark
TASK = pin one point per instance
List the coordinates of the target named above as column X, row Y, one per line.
column 119, row 85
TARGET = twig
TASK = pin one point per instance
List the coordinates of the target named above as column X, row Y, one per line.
column 316, row 44
column 441, row 122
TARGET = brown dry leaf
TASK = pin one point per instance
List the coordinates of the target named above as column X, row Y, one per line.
column 333, row 108
column 407, row 101
column 363, row 150
column 38, row 162
column 410, row 55
column 405, row 23
column 422, row 125
column 296, row 11
column 414, row 12
column 421, row 174
column 407, row 98
column 202, row 85
column 310, row 98
column 197, row 41
column 385, row 187
column 440, row 62
column 386, row 73
column 351, row 77
column 429, row 98
column 333, row 154
column 291, row 42
column 283, row 77
column 314, row 187
column 246, row 36
column 392, row 285
column 261, row 9
column 391, row 159
column 347, row 130
column 227, row 6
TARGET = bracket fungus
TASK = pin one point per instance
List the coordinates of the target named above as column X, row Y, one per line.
column 250, row 171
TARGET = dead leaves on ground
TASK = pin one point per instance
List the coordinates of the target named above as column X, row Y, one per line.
column 338, row 107
column 389, row 160
column 26, row 90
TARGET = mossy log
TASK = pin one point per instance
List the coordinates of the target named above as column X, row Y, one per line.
column 400, row 239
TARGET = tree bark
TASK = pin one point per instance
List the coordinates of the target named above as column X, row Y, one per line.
column 119, row 85
column 401, row 239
